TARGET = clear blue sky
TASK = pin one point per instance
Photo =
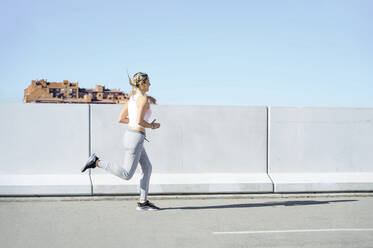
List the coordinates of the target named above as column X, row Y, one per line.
column 255, row 53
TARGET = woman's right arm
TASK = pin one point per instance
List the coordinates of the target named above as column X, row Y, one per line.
column 123, row 117
column 141, row 105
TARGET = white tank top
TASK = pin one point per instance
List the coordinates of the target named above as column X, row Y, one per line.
column 133, row 112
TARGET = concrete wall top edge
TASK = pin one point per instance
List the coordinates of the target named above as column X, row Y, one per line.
column 319, row 107
column 42, row 105
column 210, row 105
column 181, row 106
column 196, row 105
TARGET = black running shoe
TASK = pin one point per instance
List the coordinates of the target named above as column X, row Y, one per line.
column 91, row 163
column 147, row 206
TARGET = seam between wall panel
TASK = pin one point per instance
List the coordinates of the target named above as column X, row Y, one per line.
column 90, row 142
column 268, row 147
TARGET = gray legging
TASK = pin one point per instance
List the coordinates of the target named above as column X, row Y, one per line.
column 134, row 153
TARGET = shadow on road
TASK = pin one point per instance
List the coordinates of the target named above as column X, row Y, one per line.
column 254, row 205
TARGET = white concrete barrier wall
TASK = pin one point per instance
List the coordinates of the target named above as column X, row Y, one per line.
column 198, row 149
column 321, row 149
column 42, row 149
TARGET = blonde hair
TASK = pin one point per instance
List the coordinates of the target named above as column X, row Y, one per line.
column 138, row 78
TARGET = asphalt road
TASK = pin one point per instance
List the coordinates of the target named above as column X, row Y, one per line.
column 296, row 221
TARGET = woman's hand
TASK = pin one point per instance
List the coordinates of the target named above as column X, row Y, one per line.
column 155, row 125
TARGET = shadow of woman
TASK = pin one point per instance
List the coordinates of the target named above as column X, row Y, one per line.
column 253, row 205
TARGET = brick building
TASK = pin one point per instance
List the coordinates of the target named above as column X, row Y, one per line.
column 41, row 91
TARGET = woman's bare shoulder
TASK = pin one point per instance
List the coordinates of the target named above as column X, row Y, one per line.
column 142, row 100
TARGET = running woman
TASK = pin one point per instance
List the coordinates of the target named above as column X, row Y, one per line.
column 136, row 114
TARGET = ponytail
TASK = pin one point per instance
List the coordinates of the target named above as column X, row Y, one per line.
column 133, row 90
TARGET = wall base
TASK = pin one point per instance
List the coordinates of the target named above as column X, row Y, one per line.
column 322, row 182
column 186, row 183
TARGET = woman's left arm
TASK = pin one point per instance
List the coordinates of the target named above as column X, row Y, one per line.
column 123, row 117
